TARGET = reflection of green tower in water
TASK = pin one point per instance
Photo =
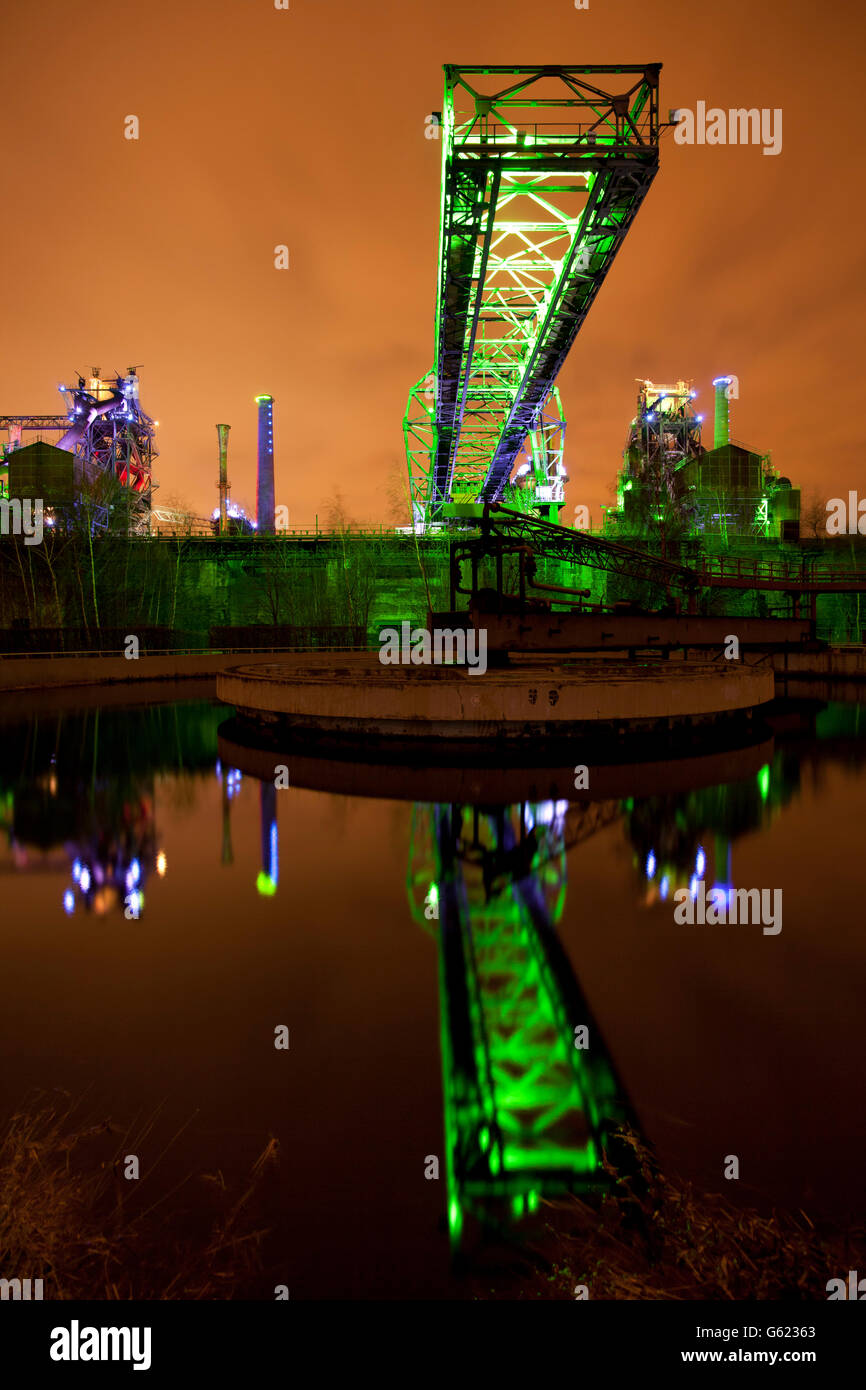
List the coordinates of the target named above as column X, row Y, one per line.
column 527, row 1112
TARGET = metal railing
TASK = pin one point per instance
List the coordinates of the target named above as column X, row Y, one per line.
column 173, row 651
column 595, row 135
column 202, row 530
column 801, row 573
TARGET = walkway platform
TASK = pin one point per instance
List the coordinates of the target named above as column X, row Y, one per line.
column 353, row 696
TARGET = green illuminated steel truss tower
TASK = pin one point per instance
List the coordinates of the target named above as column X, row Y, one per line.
column 543, row 170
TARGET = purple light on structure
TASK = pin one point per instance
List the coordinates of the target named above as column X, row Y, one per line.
column 265, row 508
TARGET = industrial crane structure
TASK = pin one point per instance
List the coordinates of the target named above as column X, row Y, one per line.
column 109, row 430
column 543, row 171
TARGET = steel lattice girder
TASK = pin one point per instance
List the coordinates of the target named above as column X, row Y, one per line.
column 532, row 215
column 546, row 449
column 35, row 422
column 525, row 1110
column 500, row 523
column 419, row 435
column 123, row 446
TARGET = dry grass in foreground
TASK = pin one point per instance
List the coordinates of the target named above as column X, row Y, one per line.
column 656, row 1238
column 69, row 1217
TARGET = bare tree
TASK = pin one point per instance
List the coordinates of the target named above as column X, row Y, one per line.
column 182, row 516
column 279, row 579
column 397, row 509
column 336, row 515
column 813, row 514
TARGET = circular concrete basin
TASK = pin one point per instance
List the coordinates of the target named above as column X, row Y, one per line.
column 353, row 695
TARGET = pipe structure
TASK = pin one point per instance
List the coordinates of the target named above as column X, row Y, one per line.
column 223, row 436
column 722, row 429
column 265, row 510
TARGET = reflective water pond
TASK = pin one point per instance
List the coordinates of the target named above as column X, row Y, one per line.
column 440, row 990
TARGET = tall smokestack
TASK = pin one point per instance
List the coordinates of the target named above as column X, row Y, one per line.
column 722, row 431
column 223, row 436
column 265, row 513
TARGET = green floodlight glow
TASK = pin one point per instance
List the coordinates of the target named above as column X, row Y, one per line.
column 764, row 781
column 525, row 1111
column 532, row 213
column 455, row 1219
column 265, row 885
column 586, row 1160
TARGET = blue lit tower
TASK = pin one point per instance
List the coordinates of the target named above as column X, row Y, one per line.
column 265, row 513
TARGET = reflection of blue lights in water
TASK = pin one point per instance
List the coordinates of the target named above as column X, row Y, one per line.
column 76, row 870
column 664, row 887
column 546, row 813
column 650, row 865
column 275, row 867
column 693, row 886
column 69, row 901
column 135, row 871
column 84, row 879
column 700, row 862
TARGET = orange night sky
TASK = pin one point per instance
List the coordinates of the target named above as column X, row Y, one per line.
column 306, row 127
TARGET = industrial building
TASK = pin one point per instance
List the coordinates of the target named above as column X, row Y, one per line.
column 42, row 470
column 672, row 483
column 103, row 434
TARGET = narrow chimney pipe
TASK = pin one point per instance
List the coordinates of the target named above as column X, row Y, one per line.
column 722, row 430
column 265, row 508
column 223, row 436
